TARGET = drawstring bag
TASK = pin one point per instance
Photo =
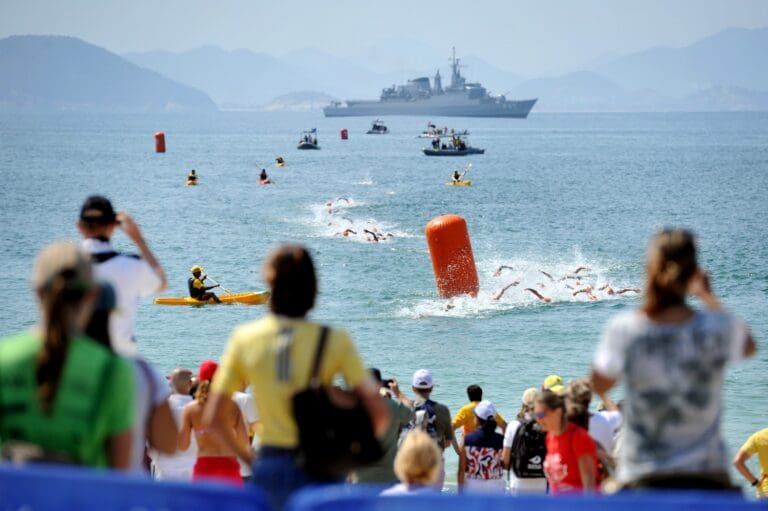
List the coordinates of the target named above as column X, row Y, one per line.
column 335, row 430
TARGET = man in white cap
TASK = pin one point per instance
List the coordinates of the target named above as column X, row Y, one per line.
column 432, row 417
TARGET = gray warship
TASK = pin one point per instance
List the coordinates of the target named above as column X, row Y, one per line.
column 419, row 97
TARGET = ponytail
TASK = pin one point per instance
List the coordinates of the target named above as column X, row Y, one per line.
column 202, row 391
column 670, row 266
column 60, row 302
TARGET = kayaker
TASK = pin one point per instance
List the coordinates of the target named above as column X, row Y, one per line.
column 192, row 176
column 279, row 160
column 458, row 175
column 263, row 176
column 197, row 288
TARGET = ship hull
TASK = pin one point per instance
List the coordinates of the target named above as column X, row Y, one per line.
column 434, row 108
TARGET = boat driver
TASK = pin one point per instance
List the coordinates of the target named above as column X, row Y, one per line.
column 197, row 289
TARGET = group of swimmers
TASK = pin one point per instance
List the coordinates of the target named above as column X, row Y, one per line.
column 370, row 232
column 575, row 282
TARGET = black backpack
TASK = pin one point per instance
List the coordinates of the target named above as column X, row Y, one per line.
column 529, row 449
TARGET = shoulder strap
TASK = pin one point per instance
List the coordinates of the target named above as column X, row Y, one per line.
column 103, row 257
column 314, row 377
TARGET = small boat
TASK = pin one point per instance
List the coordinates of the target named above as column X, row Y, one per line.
column 252, row 298
column 279, row 162
column 433, row 131
column 191, row 182
column 377, row 128
column 308, row 140
column 462, row 182
column 457, row 147
column 265, row 181
column 452, row 151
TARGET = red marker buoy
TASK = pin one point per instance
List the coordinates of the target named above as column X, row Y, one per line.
column 344, row 134
column 452, row 258
column 159, row 142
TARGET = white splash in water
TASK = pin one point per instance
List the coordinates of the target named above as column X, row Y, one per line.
column 517, row 283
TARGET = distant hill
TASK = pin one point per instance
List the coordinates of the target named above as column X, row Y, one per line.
column 242, row 79
column 65, row 73
column 731, row 58
column 302, row 101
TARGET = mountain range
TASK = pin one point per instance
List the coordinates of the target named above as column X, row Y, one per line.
column 725, row 71
column 65, row 73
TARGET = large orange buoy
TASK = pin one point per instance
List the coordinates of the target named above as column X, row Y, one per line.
column 452, row 258
column 344, row 134
column 159, row 142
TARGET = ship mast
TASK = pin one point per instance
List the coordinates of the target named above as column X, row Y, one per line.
column 457, row 81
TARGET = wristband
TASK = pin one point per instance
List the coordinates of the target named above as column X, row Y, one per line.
column 754, row 483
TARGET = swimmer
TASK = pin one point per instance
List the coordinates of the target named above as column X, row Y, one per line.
column 538, row 295
column 628, row 290
column 345, row 233
column 497, row 273
column 547, row 275
column 587, row 289
column 343, row 199
column 503, row 290
column 582, row 268
column 374, row 237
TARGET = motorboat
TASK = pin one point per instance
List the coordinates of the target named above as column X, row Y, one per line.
column 308, row 140
column 377, row 128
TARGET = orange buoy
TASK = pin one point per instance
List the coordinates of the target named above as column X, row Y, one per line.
column 452, row 258
column 344, row 134
column 159, row 142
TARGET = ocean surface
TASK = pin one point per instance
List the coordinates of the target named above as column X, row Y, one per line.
column 552, row 193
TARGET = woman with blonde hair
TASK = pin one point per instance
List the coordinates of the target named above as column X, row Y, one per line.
column 215, row 460
column 417, row 465
column 534, row 483
column 672, row 360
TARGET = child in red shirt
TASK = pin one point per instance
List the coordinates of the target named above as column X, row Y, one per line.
column 571, row 462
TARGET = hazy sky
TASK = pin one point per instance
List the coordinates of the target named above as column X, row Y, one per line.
column 526, row 36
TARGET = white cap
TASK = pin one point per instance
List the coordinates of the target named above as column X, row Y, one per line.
column 485, row 410
column 422, row 379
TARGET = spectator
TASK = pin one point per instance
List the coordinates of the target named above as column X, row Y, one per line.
column 61, row 392
column 274, row 355
column 215, row 459
column 466, row 419
column 177, row 466
column 247, row 406
column 382, row 472
column 418, row 464
column 756, row 444
column 571, row 462
column 481, row 469
column 672, row 360
column 132, row 277
column 153, row 424
column 431, row 416
column 578, row 396
column 533, row 452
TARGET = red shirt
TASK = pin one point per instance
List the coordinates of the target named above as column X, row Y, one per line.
column 561, row 465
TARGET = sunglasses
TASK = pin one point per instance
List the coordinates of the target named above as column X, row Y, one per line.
column 539, row 415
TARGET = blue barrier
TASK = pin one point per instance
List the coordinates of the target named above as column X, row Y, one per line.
column 339, row 498
column 48, row 488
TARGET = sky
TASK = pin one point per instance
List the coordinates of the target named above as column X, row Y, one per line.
column 530, row 37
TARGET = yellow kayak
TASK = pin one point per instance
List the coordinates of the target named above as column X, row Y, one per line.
column 191, row 182
column 252, row 298
column 459, row 183
column 280, row 164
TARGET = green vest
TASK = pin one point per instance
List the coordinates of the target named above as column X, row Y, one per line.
column 93, row 400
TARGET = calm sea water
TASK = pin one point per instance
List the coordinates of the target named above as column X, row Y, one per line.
column 552, row 193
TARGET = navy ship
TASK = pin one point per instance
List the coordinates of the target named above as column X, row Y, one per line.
column 419, row 97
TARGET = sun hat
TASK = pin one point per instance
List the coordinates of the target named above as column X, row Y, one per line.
column 63, row 259
column 97, row 210
column 422, row 379
column 553, row 383
column 485, row 410
column 207, row 370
